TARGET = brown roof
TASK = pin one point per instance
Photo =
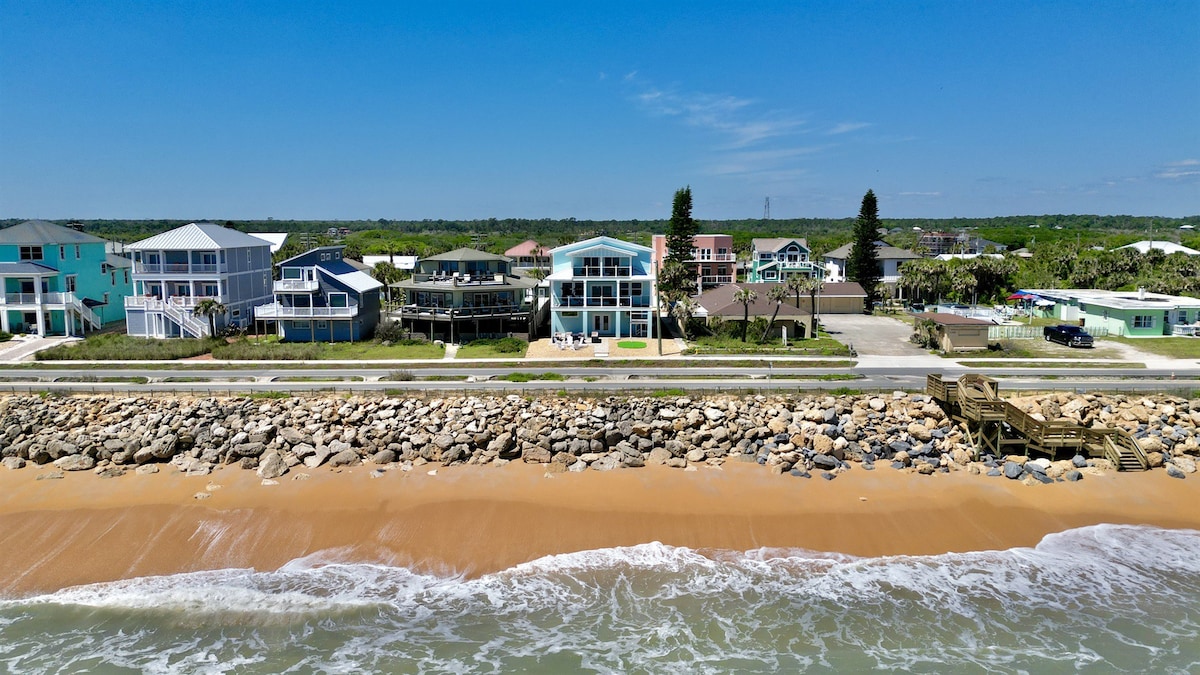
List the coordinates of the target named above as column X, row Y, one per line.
column 952, row 319
column 719, row 302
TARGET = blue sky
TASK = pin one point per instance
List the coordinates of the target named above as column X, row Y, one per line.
column 597, row 110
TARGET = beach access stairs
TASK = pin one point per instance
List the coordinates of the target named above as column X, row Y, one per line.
column 997, row 427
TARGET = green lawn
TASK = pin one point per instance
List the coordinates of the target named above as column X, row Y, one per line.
column 1173, row 347
column 631, row 344
column 821, row 346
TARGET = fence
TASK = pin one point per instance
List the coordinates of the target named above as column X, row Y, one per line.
column 1029, row 332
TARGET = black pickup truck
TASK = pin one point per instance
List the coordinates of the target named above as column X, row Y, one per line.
column 1071, row 336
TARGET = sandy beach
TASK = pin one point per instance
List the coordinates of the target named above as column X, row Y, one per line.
column 474, row 520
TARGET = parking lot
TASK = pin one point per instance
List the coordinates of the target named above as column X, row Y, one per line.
column 872, row 335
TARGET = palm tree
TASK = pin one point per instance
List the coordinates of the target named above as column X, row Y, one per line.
column 386, row 273
column 777, row 295
column 682, row 312
column 813, row 286
column 209, row 307
column 795, row 284
column 745, row 296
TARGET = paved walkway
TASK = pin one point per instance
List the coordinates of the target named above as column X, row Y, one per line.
column 19, row 349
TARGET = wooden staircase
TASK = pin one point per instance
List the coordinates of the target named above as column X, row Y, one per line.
column 999, row 428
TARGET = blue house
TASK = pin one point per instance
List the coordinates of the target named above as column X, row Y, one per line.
column 59, row 281
column 175, row 271
column 602, row 286
column 320, row 296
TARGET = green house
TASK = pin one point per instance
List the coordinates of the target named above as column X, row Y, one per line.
column 1126, row 313
column 59, row 281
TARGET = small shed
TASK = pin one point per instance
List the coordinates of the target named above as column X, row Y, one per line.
column 951, row 332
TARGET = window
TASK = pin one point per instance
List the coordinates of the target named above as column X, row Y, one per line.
column 209, row 290
column 322, row 325
column 237, row 313
column 62, row 252
column 324, row 256
column 1143, row 321
column 70, row 283
column 31, row 253
column 77, row 251
column 249, row 257
column 300, row 324
column 126, row 276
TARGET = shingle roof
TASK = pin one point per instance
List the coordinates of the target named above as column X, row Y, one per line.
column 22, row 268
column 461, row 254
column 719, row 302
column 774, row 243
column 882, row 252
column 42, row 232
column 198, row 236
column 526, row 248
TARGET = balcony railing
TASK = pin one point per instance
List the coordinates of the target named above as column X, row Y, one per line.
column 277, row 311
column 32, row 298
column 587, row 271
column 715, row 257
column 462, row 279
column 419, row 311
column 296, row 285
column 178, row 268
column 152, row 303
column 598, row 301
column 716, row 279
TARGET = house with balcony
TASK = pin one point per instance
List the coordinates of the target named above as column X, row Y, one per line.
column 319, row 295
column 711, row 259
column 59, row 281
column 603, row 287
column 466, row 294
column 529, row 256
column 178, row 269
column 777, row 259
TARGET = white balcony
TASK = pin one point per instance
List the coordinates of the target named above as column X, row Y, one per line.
column 275, row 310
column 178, row 268
column 153, row 303
column 35, row 300
column 297, row 286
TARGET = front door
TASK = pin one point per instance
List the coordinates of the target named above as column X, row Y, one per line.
column 600, row 323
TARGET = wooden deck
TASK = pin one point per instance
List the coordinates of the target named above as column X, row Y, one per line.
column 1000, row 428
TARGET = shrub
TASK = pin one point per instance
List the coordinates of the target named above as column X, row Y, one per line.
column 5, row 337
column 245, row 350
column 121, row 347
column 505, row 345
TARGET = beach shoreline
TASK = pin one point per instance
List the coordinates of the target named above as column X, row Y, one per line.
column 471, row 521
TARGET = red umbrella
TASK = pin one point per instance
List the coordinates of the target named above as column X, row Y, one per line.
column 1021, row 296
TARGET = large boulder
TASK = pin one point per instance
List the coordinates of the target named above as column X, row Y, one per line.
column 271, row 465
column 344, row 458
column 75, row 463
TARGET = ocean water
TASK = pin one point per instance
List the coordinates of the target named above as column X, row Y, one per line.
column 1097, row 599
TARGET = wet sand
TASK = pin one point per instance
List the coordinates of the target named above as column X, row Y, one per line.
column 475, row 520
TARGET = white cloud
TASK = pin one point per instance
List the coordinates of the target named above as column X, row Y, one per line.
column 847, row 127
column 1182, row 169
column 729, row 116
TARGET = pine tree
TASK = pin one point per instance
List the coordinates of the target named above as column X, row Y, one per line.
column 681, row 227
column 863, row 265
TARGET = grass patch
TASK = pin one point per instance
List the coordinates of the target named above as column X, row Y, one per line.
column 528, row 377
column 845, row 391
column 821, row 346
column 504, row 348
column 121, row 347
column 271, row 349
column 5, row 337
column 1172, row 347
column 445, row 378
column 269, row 394
column 663, row 393
column 631, row 344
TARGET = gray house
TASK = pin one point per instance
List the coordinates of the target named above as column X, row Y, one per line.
column 176, row 270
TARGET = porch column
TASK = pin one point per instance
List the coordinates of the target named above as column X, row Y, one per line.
column 37, row 299
column 4, row 319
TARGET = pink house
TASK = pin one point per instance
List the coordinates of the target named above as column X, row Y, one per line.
column 712, row 258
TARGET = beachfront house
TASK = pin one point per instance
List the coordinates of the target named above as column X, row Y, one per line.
column 711, row 259
column 529, row 256
column 602, row 287
column 321, row 296
column 466, row 294
column 175, row 271
column 1137, row 313
column 59, row 281
column 777, row 259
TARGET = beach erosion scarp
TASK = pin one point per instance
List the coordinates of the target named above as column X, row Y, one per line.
column 118, row 487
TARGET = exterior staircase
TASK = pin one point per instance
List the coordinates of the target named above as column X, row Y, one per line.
column 187, row 322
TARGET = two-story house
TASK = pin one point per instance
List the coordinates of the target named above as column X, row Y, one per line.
column 603, row 286
column 59, row 281
column 711, row 259
column 467, row 293
column 777, row 259
column 890, row 259
column 528, row 256
column 320, row 296
column 176, row 270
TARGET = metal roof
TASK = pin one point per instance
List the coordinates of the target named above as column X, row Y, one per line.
column 461, row 254
column 45, row 233
column 198, row 237
column 346, row 274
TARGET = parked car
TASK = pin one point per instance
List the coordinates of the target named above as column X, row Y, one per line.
column 1071, row 336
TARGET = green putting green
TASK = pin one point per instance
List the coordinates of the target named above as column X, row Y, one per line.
column 631, row 344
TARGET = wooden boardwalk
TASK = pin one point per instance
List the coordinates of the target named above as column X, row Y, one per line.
column 995, row 426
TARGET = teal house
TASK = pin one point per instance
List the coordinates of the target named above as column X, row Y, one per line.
column 603, row 287
column 59, row 281
column 1126, row 313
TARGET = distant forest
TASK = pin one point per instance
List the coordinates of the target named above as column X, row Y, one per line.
column 426, row 237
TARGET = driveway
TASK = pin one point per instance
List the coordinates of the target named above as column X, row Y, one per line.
column 872, row 335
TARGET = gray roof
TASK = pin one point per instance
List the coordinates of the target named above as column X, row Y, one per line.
column 775, row 243
column 10, row 269
column 42, row 233
column 461, row 254
column 719, row 302
column 117, row 261
column 198, row 237
column 882, row 252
